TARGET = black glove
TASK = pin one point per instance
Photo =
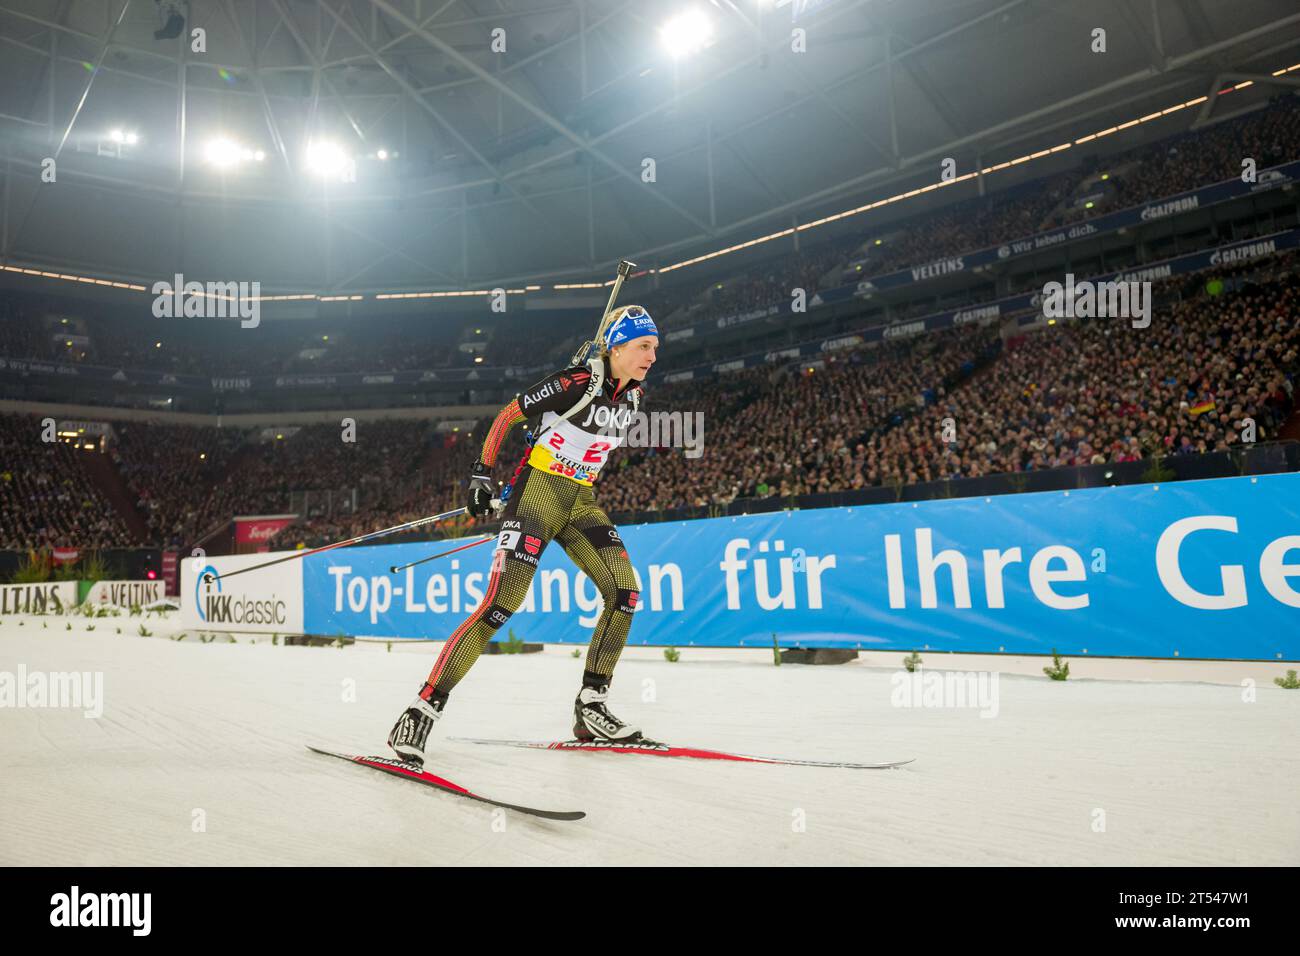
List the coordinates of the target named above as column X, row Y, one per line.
column 480, row 490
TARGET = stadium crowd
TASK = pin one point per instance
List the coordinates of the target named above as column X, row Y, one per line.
column 1222, row 350
column 1270, row 136
column 46, row 498
column 1100, row 391
column 975, row 401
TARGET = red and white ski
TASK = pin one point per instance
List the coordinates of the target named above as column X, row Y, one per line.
column 655, row 749
column 400, row 769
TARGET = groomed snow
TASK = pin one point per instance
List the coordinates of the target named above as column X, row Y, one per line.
column 1184, row 769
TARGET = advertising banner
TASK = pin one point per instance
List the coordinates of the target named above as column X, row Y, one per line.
column 1191, row 569
column 51, row 597
column 124, row 594
column 257, row 531
column 267, row 601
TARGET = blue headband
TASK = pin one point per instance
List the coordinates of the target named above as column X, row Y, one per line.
column 634, row 323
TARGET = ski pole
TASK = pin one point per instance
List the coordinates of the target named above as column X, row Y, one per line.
column 473, row 544
column 404, row 526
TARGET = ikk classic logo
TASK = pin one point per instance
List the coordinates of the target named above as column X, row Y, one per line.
column 216, row 607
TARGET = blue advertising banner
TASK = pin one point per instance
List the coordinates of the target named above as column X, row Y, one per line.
column 1199, row 569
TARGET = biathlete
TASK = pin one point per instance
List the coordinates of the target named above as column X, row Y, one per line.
column 551, row 497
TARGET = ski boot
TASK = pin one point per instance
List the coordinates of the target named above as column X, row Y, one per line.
column 592, row 719
column 409, row 734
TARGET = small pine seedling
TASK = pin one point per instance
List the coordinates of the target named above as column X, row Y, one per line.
column 145, row 632
column 1060, row 670
column 576, row 653
column 912, row 662
column 1289, row 682
column 672, row 655
column 776, row 651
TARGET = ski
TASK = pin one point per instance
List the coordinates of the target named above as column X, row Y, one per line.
column 400, row 769
column 654, row 748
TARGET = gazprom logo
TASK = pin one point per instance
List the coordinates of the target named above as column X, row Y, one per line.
column 202, row 579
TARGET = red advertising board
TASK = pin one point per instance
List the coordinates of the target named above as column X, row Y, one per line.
column 169, row 572
column 254, row 533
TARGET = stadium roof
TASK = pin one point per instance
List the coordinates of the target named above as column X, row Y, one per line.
column 527, row 164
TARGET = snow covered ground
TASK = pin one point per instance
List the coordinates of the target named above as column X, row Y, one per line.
column 1130, row 763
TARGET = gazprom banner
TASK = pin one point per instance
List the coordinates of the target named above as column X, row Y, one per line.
column 1191, row 569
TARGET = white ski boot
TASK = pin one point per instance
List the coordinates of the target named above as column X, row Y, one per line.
column 593, row 721
column 411, row 732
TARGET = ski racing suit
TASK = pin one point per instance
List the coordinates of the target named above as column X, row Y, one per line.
column 553, row 499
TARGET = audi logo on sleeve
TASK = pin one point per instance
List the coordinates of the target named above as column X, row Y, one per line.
column 552, row 387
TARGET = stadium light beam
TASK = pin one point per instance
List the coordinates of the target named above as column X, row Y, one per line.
column 686, row 33
column 328, row 160
column 222, row 153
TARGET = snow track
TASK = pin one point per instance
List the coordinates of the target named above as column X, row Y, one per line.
column 1184, row 773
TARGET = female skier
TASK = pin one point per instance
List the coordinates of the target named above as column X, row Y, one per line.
column 552, row 497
